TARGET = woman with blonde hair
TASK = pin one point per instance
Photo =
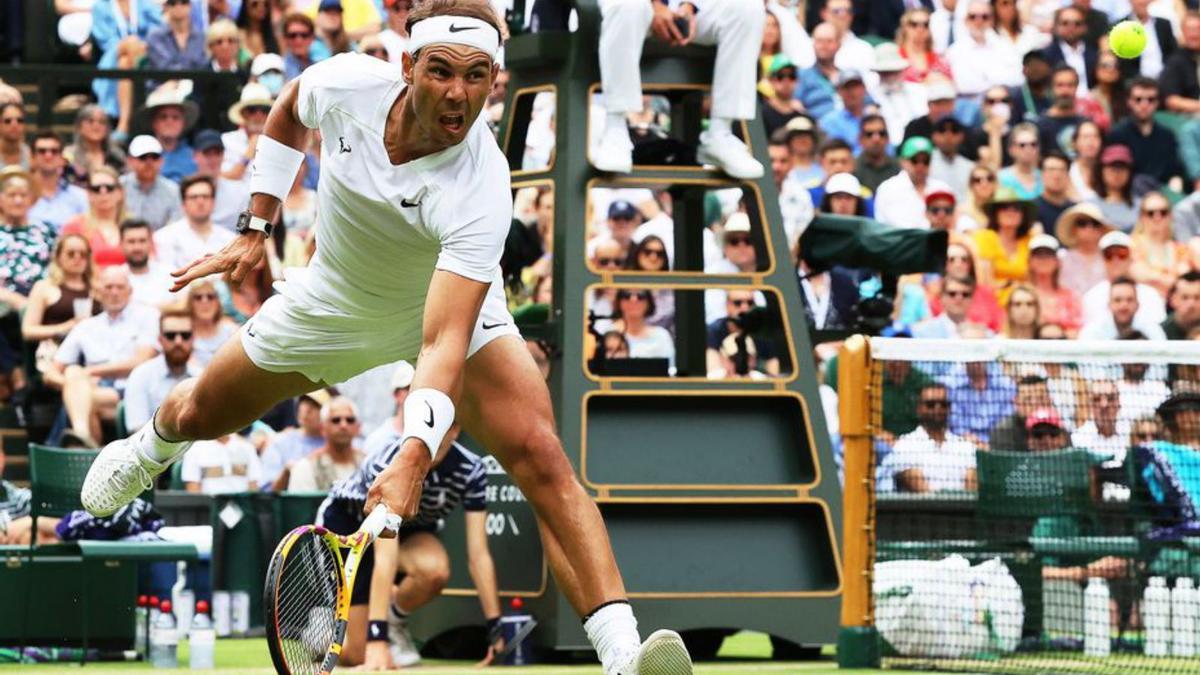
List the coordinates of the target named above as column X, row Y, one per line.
column 210, row 327
column 25, row 246
column 60, row 301
column 981, row 187
column 1157, row 258
column 916, row 46
column 92, row 145
column 101, row 224
column 1022, row 313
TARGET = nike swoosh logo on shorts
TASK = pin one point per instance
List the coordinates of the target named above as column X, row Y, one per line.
column 459, row 29
column 489, row 326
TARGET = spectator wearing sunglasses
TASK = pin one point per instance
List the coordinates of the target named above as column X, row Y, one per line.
column 148, row 195
column 1069, row 47
column 1079, row 229
column 958, row 293
column 781, row 106
column 1156, row 145
column 150, row 382
column 13, row 149
column 337, row 459
column 874, row 164
column 1117, row 254
column 57, row 200
column 1044, row 431
column 301, row 49
column 930, row 458
column 900, row 200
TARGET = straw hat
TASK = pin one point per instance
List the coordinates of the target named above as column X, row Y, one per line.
column 167, row 96
column 1064, row 228
column 253, row 94
column 1007, row 195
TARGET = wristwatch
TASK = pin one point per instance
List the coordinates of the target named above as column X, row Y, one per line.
column 248, row 221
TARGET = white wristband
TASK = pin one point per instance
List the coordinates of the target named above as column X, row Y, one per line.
column 274, row 168
column 428, row 414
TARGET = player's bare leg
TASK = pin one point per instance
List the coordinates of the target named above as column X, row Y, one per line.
column 506, row 407
column 231, row 393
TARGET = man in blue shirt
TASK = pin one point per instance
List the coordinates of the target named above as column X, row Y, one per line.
column 58, row 200
column 980, row 396
column 301, row 49
column 846, row 121
column 163, row 45
column 170, row 115
column 815, row 88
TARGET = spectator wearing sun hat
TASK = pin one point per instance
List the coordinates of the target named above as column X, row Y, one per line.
column 1079, row 229
column 900, row 101
column 1002, row 248
column 900, row 200
column 170, row 115
column 250, row 115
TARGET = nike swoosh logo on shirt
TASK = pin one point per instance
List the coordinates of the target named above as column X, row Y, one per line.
column 407, row 204
column 489, row 326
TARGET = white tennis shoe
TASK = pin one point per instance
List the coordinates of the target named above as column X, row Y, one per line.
column 118, row 475
column 728, row 154
column 663, row 653
column 400, row 642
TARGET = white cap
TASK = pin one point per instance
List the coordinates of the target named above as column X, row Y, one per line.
column 843, row 183
column 1115, row 238
column 403, row 376
column 940, row 91
column 1043, row 241
column 264, row 62
column 144, row 145
column 737, row 222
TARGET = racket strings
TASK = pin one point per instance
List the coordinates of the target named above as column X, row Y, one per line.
column 306, row 604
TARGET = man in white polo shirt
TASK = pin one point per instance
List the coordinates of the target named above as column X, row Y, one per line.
column 150, row 382
column 930, row 457
column 99, row 353
column 194, row 235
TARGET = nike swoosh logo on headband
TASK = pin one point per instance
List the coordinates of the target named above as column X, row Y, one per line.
column 459, row 29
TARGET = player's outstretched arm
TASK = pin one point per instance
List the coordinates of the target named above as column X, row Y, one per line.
column 246, row 251
column 451, row 310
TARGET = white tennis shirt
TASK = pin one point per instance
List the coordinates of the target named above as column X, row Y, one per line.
column 383, row 229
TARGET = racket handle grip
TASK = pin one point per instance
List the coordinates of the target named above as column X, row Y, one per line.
column 381, row 519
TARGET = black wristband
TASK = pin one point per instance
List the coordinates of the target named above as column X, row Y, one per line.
column 495, row 630
column 377, row 631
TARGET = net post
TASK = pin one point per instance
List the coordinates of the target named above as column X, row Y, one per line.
column 858, row 639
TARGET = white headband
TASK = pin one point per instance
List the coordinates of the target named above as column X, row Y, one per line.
column 459, row 30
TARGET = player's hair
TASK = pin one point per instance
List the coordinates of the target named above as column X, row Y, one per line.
column 476, row 9
column 327, row 409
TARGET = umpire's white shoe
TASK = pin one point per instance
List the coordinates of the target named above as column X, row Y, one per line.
column 118, row 475
column 614, row 152
column 663, row 653
column 728, row 154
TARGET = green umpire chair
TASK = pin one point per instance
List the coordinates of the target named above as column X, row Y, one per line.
column 56, row 478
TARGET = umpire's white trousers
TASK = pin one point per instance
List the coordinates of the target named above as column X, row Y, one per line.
column 734, row 26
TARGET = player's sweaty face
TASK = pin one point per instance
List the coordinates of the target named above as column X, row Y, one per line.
column 450, row 86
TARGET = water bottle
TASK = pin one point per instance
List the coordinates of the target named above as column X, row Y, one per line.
column 220, row 613
column 141, row 617
column 1156, row 614
column 164, row 639
column 184, row 606
column 202, row 639
column 511, row 624
column 240, row 613
column 1096, row 634
column 153, row 616
column 1183, row 618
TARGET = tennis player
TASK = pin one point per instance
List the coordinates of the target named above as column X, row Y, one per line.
column 414, row 205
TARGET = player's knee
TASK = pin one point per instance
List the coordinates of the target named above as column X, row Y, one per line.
column 434, row 575
column 540, row 466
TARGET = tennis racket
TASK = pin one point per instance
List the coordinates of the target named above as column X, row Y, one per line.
column 307, row 594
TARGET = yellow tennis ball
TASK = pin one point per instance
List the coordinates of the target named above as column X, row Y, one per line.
column 1127, row 39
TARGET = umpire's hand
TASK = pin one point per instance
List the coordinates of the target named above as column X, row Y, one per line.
column 237, row 259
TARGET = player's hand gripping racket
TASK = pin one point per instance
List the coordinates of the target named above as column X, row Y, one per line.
column 307, row 595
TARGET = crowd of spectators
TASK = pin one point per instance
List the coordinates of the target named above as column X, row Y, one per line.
column 1066, row 178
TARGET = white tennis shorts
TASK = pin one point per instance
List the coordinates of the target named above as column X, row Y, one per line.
column 330, row 349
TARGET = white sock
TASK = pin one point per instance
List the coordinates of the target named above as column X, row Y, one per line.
column 720, row 126
column 156, row 449
column 612, row 630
